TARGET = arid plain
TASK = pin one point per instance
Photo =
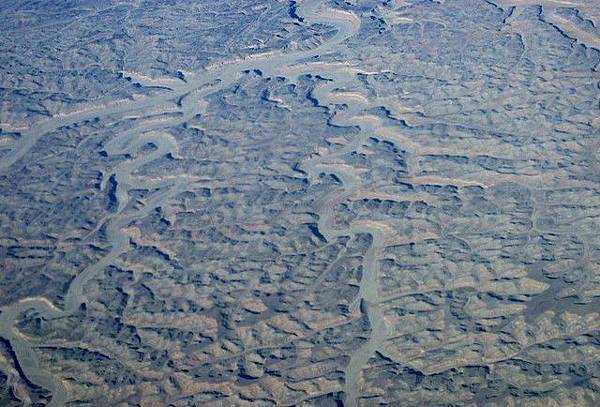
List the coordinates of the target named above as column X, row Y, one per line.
column 300, row 203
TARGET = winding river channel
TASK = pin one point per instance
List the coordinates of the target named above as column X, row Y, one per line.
column 189, row 96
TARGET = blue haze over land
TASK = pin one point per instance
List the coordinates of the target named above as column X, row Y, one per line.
column 300, row 203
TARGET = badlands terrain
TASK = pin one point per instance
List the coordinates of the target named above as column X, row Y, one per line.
column 300, row 203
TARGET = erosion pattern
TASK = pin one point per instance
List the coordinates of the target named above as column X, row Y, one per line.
column 321, row 203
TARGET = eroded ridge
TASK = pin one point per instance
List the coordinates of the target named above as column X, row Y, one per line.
column 397, row 206
column 120, row 180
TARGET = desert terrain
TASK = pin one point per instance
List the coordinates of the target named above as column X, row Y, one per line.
column 300, row 203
